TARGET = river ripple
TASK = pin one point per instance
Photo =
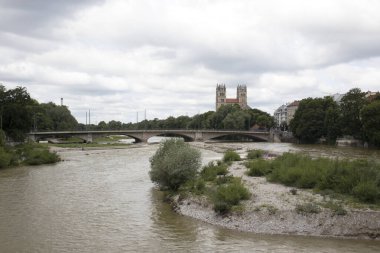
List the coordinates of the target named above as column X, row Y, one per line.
column 103, row 201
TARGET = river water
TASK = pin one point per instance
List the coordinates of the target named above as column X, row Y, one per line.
column 103, row 201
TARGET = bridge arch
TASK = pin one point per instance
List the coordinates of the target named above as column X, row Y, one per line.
column 187, row 138
column 239, row 137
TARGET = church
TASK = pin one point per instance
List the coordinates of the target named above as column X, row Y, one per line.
column 241, row 96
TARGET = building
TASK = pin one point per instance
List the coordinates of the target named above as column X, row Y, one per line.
column 241, row 96
column 285, row 113
column 291, row 109
column 281, row 115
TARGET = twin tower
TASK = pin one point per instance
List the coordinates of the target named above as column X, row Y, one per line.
column 241, row 96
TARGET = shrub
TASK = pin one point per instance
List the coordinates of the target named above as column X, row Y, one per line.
column 255, row 154
column 229, row 195
column 231, row 156
column 211, row 171
column 2, row 138
column 258, row 167
column 196, row 186
column 336, row 208
column 40, row 156
column 366, row 191
column 5, row 158
column 308, row 208
column 174, row 163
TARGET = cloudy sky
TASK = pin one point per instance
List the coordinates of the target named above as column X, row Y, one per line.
column 119, row 57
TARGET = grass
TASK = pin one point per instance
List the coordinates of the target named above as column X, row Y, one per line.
column 258, row 167
column 229, row 195
column 255, row 154
column 212, row 170
column 308, row 208
column 231, row 156
column 27, row 154
column 223, row 191
column 357, row 178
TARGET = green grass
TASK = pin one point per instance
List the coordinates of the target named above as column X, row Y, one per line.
column 231, row 156
column 27, row 154
column 357, row 178
column 212, row 170
column 229, row 195
column 255, row 154
column 258, row 167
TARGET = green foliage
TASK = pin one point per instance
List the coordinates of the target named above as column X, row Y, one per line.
column 27, row 154
column 351, row 105
column 358, row 178
column 5, row 158
column 308, row 208
column 2, row 138
column 255, row 154
column 314, row 118
column 174, row 163
column 228, row 195
column 336, row 208
column 36, row 154
column 258, row 167
column 212, row 170
column 367, row 191
column 52, row 117
column 370, row 116
column 20, row 113
column 196, row 186
column 231, row 156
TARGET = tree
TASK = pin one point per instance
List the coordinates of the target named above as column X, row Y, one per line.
column 371, row 122
column 173, row 164
column 314, row 119
column 351, row 105
column 16, row 109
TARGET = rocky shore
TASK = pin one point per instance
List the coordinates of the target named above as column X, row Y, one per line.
column 274, row 209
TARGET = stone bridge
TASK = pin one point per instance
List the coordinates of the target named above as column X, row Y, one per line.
column 144, row 135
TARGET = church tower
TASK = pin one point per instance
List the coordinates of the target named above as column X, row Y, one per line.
column 242, row 96
column 220, row 95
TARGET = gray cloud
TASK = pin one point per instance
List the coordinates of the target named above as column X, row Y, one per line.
column 119, row 57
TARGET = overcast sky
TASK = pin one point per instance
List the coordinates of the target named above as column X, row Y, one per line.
column 119, row 57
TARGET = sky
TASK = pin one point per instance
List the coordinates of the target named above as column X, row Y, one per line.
column 120, row 58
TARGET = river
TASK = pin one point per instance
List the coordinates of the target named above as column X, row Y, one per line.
column 103, row 201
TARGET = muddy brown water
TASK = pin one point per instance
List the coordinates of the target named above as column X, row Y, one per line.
column 103, row 201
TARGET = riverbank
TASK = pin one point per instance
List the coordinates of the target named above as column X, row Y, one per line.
column 277, row 209
column 272, row 210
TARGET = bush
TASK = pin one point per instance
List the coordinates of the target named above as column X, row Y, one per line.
column 174, row 163
column 359, row 178
column 258, row 167
column 5, row 158
column 255, row 154
column 40, row 156
column 366, row 191
column 231, row 156
column 211, row 171
column 308, row 208
column 229, row 195
column 197, row 186
column 2, row 138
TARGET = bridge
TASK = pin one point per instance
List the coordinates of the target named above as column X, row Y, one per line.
column 144, row 135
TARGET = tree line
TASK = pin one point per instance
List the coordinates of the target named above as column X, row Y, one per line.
column 356, row 115
column 228, row 117
column 19, row 114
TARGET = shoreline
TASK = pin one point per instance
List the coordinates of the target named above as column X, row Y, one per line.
column 272, row 210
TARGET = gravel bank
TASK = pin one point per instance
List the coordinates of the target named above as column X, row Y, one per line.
column 272, row 210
